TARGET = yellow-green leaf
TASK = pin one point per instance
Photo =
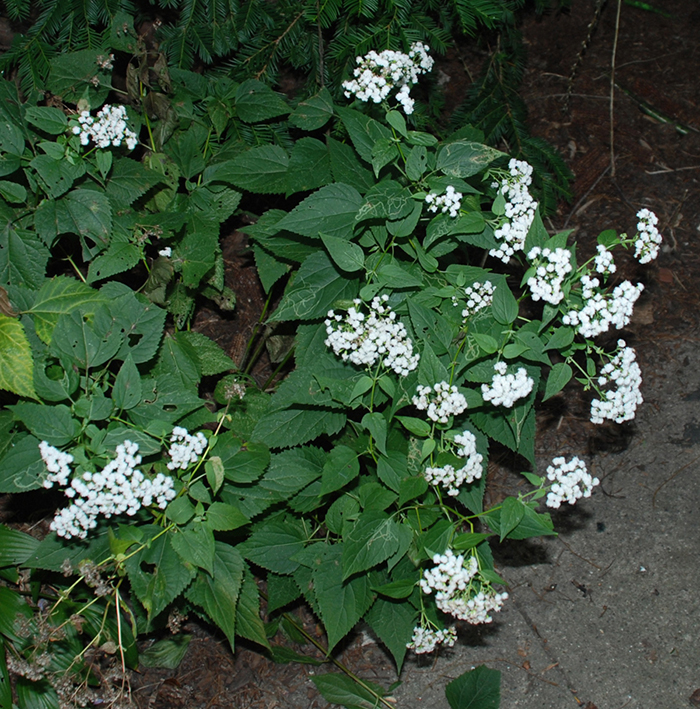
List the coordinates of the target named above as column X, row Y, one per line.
column 16, row 368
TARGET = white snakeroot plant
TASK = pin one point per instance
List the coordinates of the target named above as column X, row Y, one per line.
column 363, row 339
column 506, row 389
column 601, row 311
column 552, row 268
column 570, row 481
column 377, row 74
column 440, row 401
column 448, row 203
column 119, row 488
column 624, row 375
column 449, row 477
column 107, row 129
column 479, row 296
column 519, row 210
column 646, row 246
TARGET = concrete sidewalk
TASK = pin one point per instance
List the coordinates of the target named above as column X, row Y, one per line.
column 607, row 615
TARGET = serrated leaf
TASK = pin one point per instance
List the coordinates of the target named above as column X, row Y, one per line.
column 166, row 653
column 126, row 391
column 297, row 425
column 341, row 603
column 212, row 359
column 22, row 468
column 363, row 130
column 16, row 365
column 262, row 170
column 248, row 622
column 195, row 546
column 464, row 158
column 309, row 166
column 342, row 690
column 348, row 256
column 558, row 378
column 476, row 689
column 347, row 168
column 393, row 622
column 273, row 544
column 313, row 112
column 223, row 517
column 330, row 210
column 46, row 118
column 129, row 179
column 12, row 192
column 120, row 256
column 373, row 538
column 256, row 101
column 376, row 424
column 54, row 424
column 512, row 511
column 23, row 257
column 341, row 466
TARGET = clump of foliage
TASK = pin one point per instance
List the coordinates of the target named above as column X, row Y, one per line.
column 358, row 485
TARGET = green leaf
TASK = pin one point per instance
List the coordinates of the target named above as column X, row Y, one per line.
column 341, row 603
column 23, row 257
column 273, row 544
column 59, row 296
column 330, row 210
column 393, row 622
column 129, row 179
column 504, row 306
column 416, row 426
column 387, row 200
column 342, row 690
column 120, row 256
column 211, row 358
column 375, row 423
column 476, row 689
column 195, row 546
column 50, row 120
column 416, row 163
column 248, row 622
column 384, row 151
column 54, row 424
column 218, row 593
column 317, row 286
column 314, row 112
column 198, row 249
column 532, row 524
column 22, row 468
column 166, row 653
column 561, row 338
column 5, row 686
column 468, row 540
column 464, row 158
column 87, row 341
column 180, row 510
column 262, row 170
column 297, row 425
column 363, row 130
column 281, row 590
column 56, row 176
column 396, row 120
column 256, row 101
column 223, row 517
column 487, row 343
column 431, row 370
column 292, row 470
column 12, row 192
column 340, row 468
column 348, row 256
column 156, row 572
column 393, row 275
column 558, row 378
column 347, row 168
column 373, row 538
column 126, row 392
column 35, row 695
column 16, row 366
column 309, row 166
column 512, row 511
column 15, row 546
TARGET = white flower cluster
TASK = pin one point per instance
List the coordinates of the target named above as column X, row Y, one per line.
column 57, row 463
column 425, row 640
column 167, row 252
column 506, row 389
column 646, row 247
column 362, row 339
column 603, row 262
column 108, row 129
column 185, row 449
column 571, row 481
column 119, row 488
column 447, row 401
column 472, row 469
column 450, row 202
column 377, row 74
column 599, row 312
column 520, row 210
column 479, row 296
column 620, row 403
column 452, row 583
column 552, row 268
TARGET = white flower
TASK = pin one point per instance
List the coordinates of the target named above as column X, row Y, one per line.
column 603, row 262
column 625, row 376
column 472, row 469
column 601, row 311
column 185, row 449
column 377, row 74
column 448, row 401
column 107, row 129
column 119, row 488
column 646, row 247
column 519, row 210
column 479, row 296
column 449, row 203
column 57, row 463
column 571, row 481
column 167, row 252
column 506, row 389
column 363, row 339
column 551, row 270
column 425, row 640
